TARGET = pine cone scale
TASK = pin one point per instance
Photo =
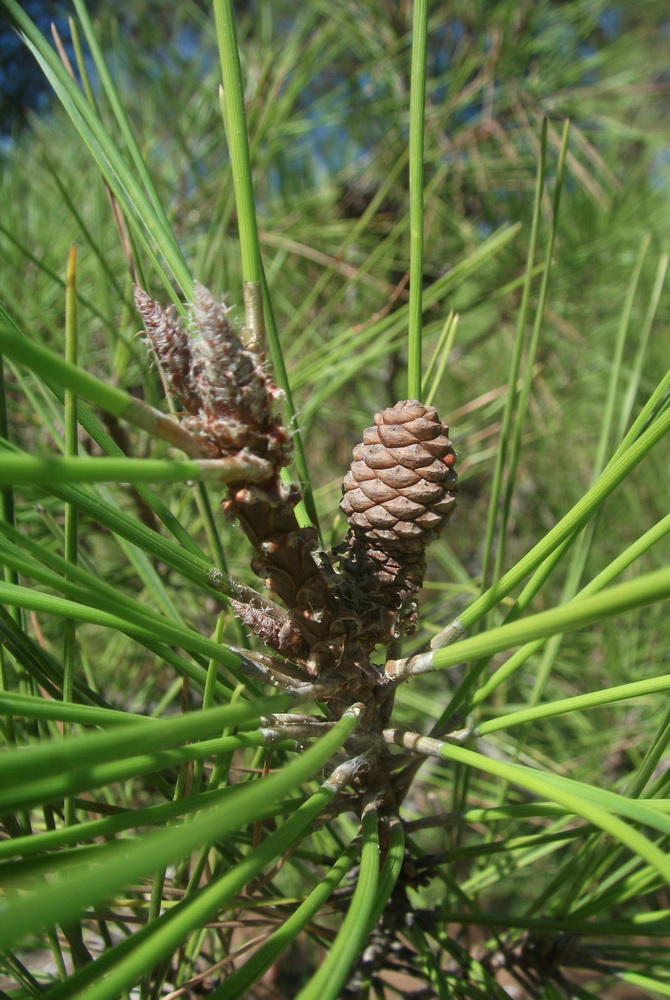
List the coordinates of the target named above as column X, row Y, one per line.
column 438, row 472
column 422, row 429
column 425, row 492
column 411, row 409
column 414, row 456
column 358, row 501
column 378, row 491
column 359, row 473
column 376, row 456
column 404, row 508
column 398, row 477
column 379, row 517
column 392, row 437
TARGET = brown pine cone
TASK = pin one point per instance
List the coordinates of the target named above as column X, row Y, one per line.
column 397, row 498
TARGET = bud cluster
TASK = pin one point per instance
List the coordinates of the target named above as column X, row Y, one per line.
column 397, row 497
column 229, row 399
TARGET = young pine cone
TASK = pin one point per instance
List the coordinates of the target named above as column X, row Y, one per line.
column 397, row 498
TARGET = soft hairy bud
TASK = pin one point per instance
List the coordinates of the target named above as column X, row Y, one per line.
column 229, row 378
column 397, row 498
column 230, row 399
column 172, row 346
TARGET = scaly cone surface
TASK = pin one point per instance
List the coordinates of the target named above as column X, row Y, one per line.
column 398, row 495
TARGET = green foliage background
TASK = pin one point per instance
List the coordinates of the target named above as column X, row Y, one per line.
column 327, row 102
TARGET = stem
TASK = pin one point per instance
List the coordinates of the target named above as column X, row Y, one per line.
column 52, row 368
column 417, row 112
column 28, row 470
column 70, row 625
column 238, row 143
column 634, row 594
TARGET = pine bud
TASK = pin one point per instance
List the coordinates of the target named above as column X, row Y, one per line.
column 230, row 380
column 398, row 495
column 172, row 346
column 230, row 399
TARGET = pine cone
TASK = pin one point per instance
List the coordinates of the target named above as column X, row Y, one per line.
column 397, row 498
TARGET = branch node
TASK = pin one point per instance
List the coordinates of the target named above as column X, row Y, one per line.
column 451, row 633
